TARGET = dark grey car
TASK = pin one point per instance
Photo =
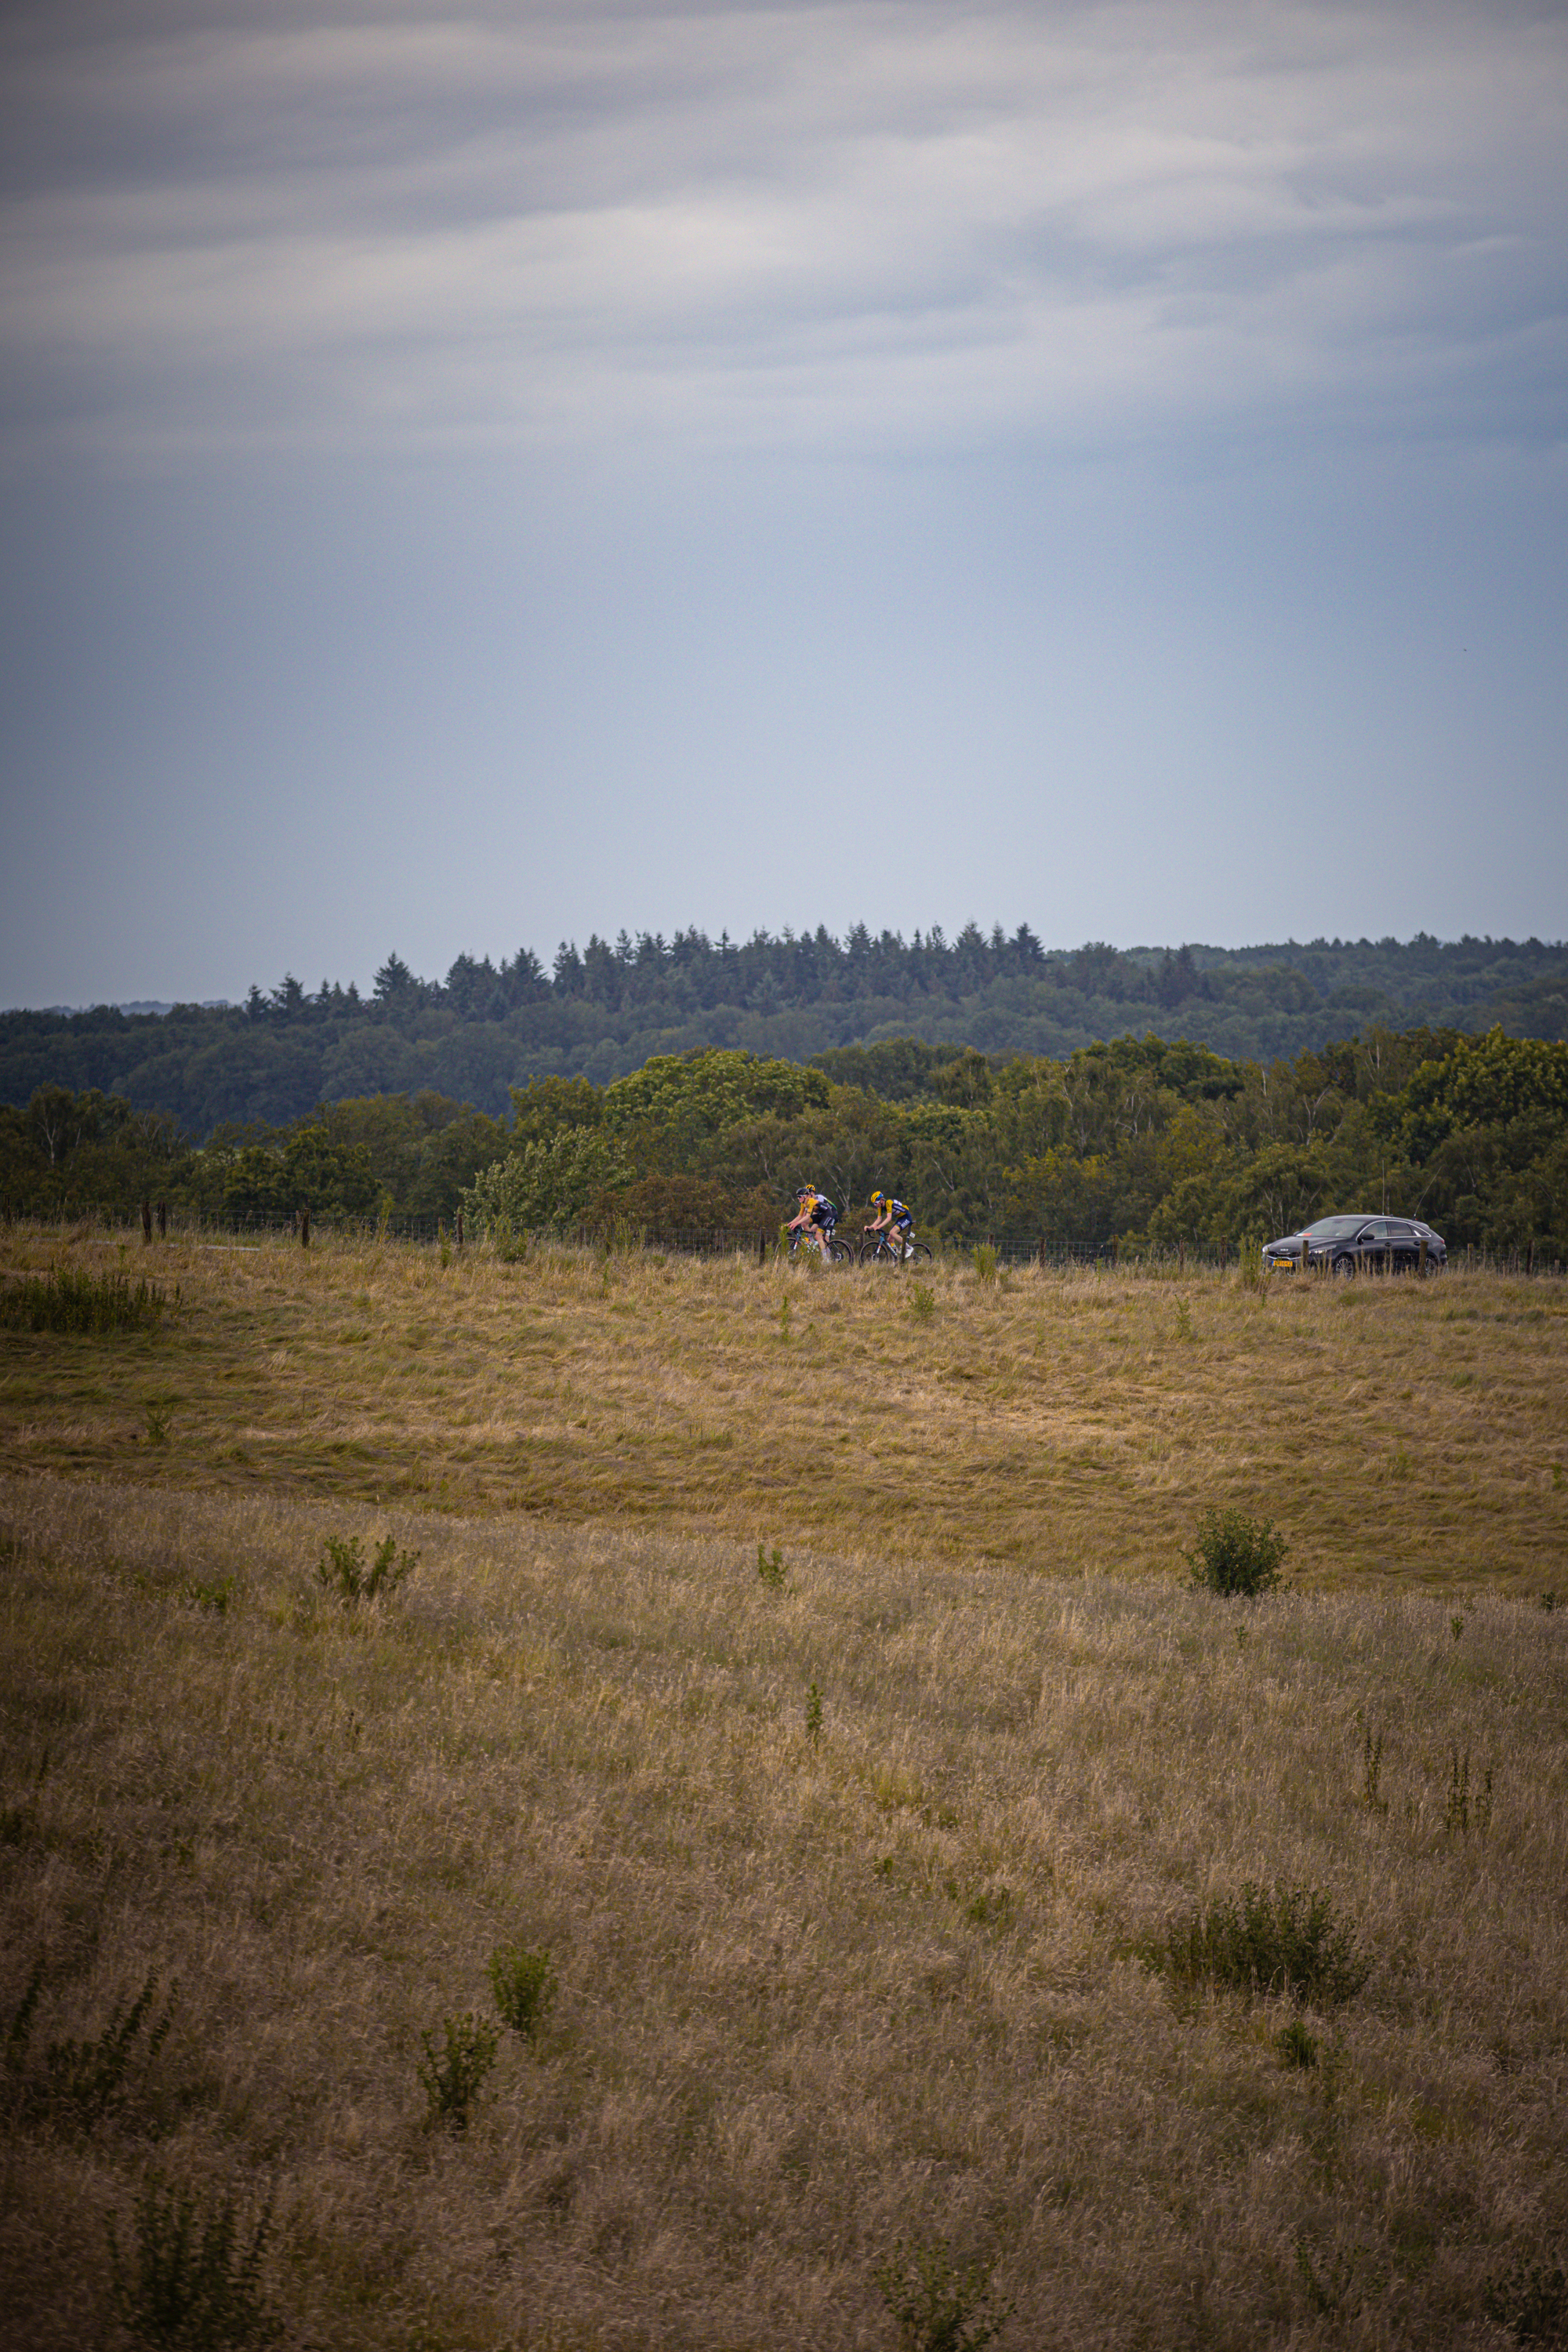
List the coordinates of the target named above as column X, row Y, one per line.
column 1362, row 1243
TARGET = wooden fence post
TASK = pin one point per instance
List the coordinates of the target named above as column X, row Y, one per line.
column 459, row 1229
column 305, row 1226
column 147, row 1223
column 162, row 1220
column 762, row 1249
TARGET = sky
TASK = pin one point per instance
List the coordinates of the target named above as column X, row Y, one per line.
column 472, row 476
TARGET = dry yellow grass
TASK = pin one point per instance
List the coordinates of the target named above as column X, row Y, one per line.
column 816, row 1996
column 1061, row 1422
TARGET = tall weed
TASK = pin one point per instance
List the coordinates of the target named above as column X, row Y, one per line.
column 1284, row 1939
column 193, row 2278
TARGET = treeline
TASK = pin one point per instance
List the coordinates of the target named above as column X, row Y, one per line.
column 1140, row 1142
column 607, row 1010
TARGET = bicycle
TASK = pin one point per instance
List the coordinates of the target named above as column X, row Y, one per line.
column 883, row 1249
column 834, row 1250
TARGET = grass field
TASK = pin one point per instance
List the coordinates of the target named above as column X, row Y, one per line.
column 854, row 1882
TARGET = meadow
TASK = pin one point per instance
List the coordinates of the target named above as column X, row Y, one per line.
column 805, row 1670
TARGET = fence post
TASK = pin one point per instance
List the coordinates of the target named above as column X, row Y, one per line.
column 762, row 1249
column 147, row 1223
column 305, row 1226
column 162, row 1220
column 459, row 1229
column 1181, row 1257
column 1042, row 1253
column 1223, row 1250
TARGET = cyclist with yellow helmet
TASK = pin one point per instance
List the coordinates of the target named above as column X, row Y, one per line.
column 893, row 1219
column 816, row 1218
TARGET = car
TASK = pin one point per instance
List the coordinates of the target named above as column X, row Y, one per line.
column 1362, row 1243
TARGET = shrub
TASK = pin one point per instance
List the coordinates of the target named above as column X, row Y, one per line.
column 194, row 2279
column 771, row 1568
column 1284, row 1940
column 68, row 1299
column 83, row 2082
column 1235, row 1554
column 342, row 1568
column 452, row 2075
column 985, row 1262
column 939, row 2306
column 1530, row 2300
column 523, row 1983
column 922, row 1302
column 1295, row 2045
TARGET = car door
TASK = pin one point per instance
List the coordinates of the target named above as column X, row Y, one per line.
column 1370, row 1244
column 1405, row 1244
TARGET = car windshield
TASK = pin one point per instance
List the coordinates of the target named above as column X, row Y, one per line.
column 1335, row 1229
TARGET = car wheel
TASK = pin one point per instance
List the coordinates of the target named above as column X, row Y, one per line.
column 1343, row 1268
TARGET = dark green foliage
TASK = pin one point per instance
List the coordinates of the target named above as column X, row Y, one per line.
column 523, row 1983
column 1284, row 1939
column 342, row 1568
column 771, row 1568
column 454, row 2072
column 84, row 2083
column 940, row 2306
column 68, row 1299
column 1236, row 1555
column 193, row 2279
column 1295, row 2045
column 1530, row 2299
column 814, row 1714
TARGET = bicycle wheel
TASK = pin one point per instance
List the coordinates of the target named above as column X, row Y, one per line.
column 875, row 1250
column 919, row 1255
column 840, row 1252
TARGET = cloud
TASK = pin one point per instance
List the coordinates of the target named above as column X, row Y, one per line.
column 845, row 227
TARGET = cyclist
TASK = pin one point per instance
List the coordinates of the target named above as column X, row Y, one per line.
column 893, row 1219
column 816, row 1218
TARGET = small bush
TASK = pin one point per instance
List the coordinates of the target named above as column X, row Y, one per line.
column 1284, row 1940
column 814, row 1714
column 194, row 2277
column 1530, row 2299
column 1236, row 1555
column 922, row 1302
column 83, row 2082
column 771, row 1568
column 985, row 1262
column 342, row 1568
column 69, row 1299
column 1295, row 2045
column 523, row 1983
column 453, row 2075
column 940, row 2306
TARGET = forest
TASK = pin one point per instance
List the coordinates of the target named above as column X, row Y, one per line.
column 602, row 1012
column 1138, row 1141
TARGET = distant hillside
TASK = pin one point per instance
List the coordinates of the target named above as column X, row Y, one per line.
column 604, row 1011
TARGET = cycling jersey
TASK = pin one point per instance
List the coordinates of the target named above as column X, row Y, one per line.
column 902, row 1218
column 823, row 1212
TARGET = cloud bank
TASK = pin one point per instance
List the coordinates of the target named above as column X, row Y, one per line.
column 895, row 228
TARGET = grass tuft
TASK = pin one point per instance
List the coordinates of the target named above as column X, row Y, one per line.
column 74, row 1298
column 1283, row 1940
column 523, row 1983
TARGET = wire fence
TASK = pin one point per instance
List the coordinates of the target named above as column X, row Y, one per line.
column 165, row 1221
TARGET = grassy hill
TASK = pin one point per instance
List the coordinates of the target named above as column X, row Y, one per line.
column 896, row 1901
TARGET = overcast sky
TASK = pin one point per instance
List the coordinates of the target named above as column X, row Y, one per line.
column 472, row 476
